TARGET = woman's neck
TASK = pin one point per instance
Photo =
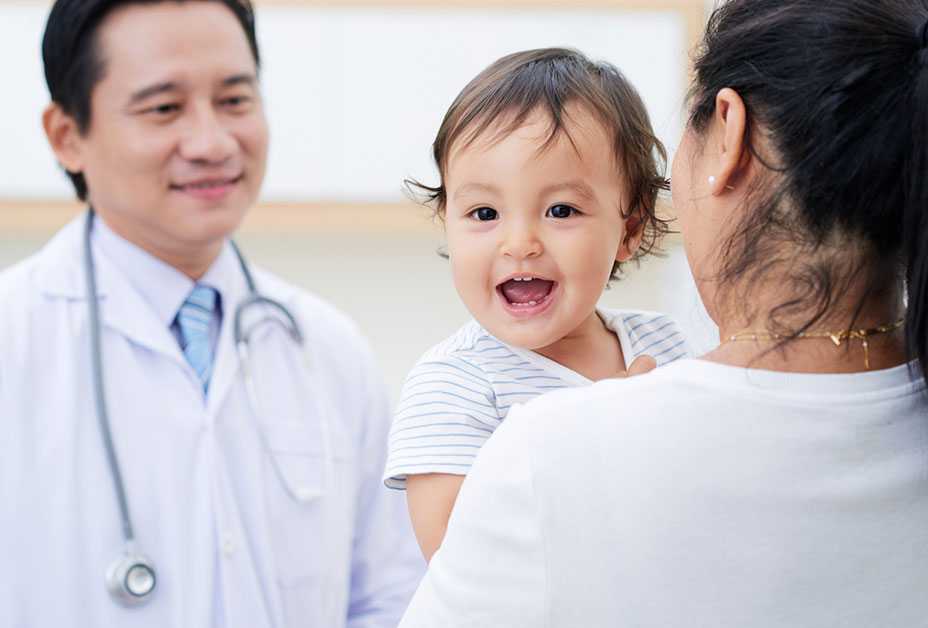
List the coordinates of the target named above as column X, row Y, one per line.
column 877, row 350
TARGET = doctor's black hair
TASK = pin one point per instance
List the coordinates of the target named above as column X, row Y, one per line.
column 836, row 95
column 73, row 65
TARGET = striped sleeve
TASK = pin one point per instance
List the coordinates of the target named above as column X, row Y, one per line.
column 656, row 335
column 447, row 411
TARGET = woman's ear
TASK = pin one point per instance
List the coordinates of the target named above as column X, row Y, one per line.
column 634, row 234
column 730, row 122
column 63, row 137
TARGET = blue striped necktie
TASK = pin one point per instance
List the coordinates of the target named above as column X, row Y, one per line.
column 194, row 319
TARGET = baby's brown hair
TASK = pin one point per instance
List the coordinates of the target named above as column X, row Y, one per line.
column 550, row 79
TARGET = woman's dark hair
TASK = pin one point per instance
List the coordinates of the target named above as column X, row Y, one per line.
column 551, row 79
column 838, row 91
column 71, row 54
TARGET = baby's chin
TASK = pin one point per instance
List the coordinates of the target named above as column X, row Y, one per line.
column 529, row 335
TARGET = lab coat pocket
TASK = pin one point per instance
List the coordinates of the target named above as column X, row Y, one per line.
column 309, row 510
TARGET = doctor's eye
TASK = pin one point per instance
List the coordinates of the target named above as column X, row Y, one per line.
column 236, row 102
column 485, row 214
column 561, row 211
column 163, row 110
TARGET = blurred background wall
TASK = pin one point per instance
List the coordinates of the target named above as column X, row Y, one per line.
column 355, row 92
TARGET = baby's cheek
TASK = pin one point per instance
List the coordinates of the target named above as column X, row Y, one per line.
column 594, row 263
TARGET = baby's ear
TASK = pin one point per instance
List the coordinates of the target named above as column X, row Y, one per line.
column 634, row 233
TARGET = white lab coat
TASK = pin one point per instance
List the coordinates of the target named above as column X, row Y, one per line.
column 231, row 545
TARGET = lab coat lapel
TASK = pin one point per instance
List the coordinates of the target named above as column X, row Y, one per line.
column 122, row 308
column 226, row 363
column 234, row 290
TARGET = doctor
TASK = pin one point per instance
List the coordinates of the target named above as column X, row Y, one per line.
column 201, row 444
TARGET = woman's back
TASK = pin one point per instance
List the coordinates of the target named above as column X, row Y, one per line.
column 702, row 495
column 714, row 493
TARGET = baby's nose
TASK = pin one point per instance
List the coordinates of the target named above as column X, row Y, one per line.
column 522, row 244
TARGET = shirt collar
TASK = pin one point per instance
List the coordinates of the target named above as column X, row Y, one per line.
column 162, row 286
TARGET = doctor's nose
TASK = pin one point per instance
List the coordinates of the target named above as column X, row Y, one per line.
column 521, row 243
column 208, row 141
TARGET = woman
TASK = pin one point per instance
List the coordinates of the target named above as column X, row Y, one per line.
column 782, row 479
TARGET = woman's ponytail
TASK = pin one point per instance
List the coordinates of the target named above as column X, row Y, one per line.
column 915, row 216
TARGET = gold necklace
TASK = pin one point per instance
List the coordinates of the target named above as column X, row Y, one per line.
column 837, row 337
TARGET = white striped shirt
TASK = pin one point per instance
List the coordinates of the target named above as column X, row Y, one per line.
column 461, row 390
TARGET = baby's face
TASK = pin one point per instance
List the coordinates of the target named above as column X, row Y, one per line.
column 533, row 234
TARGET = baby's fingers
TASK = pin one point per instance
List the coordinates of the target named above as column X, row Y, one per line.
column 641, row 365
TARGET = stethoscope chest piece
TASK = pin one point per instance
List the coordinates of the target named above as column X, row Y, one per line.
column 131, row 579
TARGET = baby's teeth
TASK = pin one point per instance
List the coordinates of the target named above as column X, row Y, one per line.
column 533, row 302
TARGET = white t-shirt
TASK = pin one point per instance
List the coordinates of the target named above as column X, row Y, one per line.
column 698, row 495
column 461, row 389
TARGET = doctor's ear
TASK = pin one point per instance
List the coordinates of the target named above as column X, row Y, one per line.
column 64, row 137
column 634, row 233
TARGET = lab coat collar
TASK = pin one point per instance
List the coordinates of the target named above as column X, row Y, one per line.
column 162, row 286
column 60, row 274
column 61, row 271
column 165, row 289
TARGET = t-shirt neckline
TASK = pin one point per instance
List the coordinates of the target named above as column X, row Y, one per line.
column 568, row 374
column 892, row 381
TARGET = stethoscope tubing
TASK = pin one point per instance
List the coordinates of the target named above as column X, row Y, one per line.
column 115, row 576
column 96, row 353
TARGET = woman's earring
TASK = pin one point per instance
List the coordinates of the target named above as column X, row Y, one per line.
column 712, row 181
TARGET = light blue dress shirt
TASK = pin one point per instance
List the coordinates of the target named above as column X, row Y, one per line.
column 162, row 286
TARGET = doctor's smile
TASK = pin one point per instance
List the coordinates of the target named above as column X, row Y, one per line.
column 212, row 189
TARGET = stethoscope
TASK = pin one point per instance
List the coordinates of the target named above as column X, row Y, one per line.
column 131, row 579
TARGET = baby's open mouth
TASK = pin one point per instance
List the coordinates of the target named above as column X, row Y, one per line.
column 526, row 292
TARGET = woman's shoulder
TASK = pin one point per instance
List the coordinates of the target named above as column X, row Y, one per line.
column 619, row 397
column 680, row 405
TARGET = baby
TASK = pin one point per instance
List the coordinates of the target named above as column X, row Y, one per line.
column 550, row 172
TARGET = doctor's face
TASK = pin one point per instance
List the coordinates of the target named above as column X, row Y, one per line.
column 177, row 144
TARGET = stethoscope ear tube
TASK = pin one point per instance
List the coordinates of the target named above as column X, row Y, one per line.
column 254, row 298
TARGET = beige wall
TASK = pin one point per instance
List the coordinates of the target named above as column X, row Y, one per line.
column 377, row 260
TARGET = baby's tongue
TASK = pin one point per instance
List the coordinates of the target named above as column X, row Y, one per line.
column 525, row 291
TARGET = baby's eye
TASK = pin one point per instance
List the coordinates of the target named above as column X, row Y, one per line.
column 485, row 214
column 561, row 211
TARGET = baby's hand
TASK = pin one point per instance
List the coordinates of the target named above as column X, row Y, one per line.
column 641, row 365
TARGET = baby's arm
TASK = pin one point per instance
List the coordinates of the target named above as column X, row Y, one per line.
column 430, row 498
column 447, row 411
